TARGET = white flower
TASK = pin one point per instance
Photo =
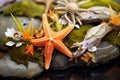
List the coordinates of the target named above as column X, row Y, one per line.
column 92, row 49
column 18, row 44
column 77, row 26
column 10, row 32
column 12, row 43
column 15, row 35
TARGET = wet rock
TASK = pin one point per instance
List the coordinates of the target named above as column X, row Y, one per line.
column 96, row 14
column 10, row 68
column 117, row 1
column 106, row 51
column 60, row 61
column 5, row 3
column 7, row 22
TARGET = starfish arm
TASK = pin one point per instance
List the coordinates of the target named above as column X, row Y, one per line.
column 67, row 18
column 60, row 8
column 62, row 48
column 48, row 54
column 47, row 30
column 60, row 2
column 73, row 17
column 65, row 1
column 39, row 42
column 61, row 12
column 79, row 21
column 61, row 34
column 83, row 2
column 48, row 3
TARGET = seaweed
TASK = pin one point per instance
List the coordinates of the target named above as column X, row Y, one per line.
column 21, row 58
column 113, row 37
column 114, row 4
column 26, row 8
column 77, row 35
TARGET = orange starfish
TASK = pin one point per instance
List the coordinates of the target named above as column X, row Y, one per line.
column 29, row 49
column 52, row 40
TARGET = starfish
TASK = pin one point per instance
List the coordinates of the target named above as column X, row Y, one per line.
column 71, row 10
column 46, row 2
column 52, row 40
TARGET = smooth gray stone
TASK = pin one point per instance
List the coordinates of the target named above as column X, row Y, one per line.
column 5, row 3
column 106, row 51
column 117, row 1
column 7, row 22
column 10, row 68
column 96, row 14
column 59, row 61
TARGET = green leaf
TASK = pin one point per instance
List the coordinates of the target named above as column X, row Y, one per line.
column 17, row 23
column 30, row 29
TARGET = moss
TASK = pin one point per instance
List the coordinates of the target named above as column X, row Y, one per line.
column 21, row 58
column 113, row 37
column 25, row 8
column 115, row 5
column 77, row 35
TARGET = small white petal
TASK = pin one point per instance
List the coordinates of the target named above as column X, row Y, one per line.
column 92, row 49
column 10, row 43
column 77, row 26
column 19, row 44
column 10, row 32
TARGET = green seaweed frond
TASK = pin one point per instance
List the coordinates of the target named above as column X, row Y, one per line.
column 18, row 23
column 113, row 3
column 25, row 8
column 28, row 32
column 20, row 58
column 77, row 35
column 113, row 37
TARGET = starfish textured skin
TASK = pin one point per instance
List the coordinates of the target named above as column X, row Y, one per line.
column 70, row 10
column 52, row 40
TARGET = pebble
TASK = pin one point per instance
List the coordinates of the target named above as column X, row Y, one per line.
column 10, row 68
column 104, row 53
column 96, row 14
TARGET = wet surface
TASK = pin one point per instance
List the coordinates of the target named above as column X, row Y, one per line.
column 106, row 71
